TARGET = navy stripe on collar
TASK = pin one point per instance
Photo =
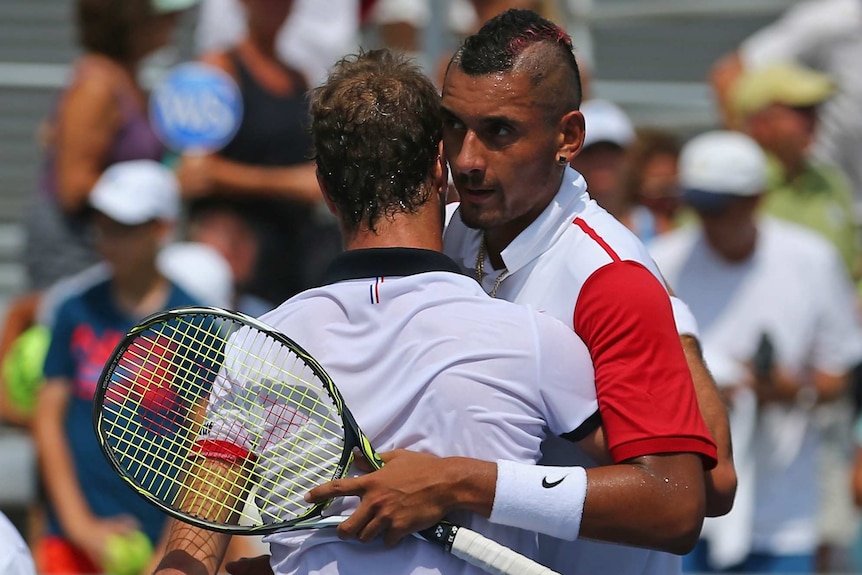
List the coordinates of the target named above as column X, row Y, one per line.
column 377, row 262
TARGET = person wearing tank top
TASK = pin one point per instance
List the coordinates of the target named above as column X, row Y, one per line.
column 99, row 119
column 257, row 199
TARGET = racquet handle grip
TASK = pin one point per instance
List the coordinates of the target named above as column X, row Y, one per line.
column 493, row 557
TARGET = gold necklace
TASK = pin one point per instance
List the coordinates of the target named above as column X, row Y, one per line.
column 480, row 269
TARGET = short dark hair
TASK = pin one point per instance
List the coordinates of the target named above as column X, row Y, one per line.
column 376, row 126
column 501, row 42
column 107, row 26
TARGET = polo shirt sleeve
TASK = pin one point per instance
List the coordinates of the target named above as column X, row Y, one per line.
column 58, row 359
column 644, row 387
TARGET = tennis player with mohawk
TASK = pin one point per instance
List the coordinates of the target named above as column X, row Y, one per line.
column 428, row 362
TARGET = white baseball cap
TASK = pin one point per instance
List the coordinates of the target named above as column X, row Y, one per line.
column 723, row 162
column 606, row 122
column 136, row 192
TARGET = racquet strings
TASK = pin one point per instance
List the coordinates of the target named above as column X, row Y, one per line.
column 202, row 386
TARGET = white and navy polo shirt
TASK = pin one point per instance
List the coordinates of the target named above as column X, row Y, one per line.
column 427, row 361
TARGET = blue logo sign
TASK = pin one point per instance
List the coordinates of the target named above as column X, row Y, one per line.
column 196, row 108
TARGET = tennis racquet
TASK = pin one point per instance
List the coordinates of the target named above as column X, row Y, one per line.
column 225, row 424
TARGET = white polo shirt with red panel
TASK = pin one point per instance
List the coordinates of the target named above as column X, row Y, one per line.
column 579, row 264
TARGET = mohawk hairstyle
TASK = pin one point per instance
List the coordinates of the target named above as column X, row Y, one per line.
column 499, row 44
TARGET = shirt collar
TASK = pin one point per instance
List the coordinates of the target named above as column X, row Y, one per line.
column 570, row 200
column 382, row 262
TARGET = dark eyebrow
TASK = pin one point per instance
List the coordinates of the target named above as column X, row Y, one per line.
column 486, row 120
column 499, row 120
column 447, row 112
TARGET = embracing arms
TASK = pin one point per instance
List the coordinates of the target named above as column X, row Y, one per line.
column 623, row 503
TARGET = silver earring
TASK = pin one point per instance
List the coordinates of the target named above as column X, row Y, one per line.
column 562, row 160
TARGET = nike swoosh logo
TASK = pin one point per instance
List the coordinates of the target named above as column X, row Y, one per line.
column 547, row 485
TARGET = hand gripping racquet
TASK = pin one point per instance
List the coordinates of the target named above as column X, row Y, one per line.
column 203, row 410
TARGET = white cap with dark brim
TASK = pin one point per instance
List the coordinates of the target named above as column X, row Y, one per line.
column 606, row 122
column 723, row 162
column 136, row 192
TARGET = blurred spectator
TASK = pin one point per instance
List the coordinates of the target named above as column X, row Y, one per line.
column 609, row 133
column 196, row 267
column 316, row 35
column 777, row 106
column 261, row 189
column 401, row 23
column 100, row 119
column 650, row 184
column 136, row 204
column 235, row 241
column 774, row 306
column 825, row 35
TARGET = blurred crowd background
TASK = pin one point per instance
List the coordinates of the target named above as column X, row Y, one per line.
column 251, row 230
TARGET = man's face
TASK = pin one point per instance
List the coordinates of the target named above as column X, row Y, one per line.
column 729, row 226
column 785, row 131
column 127, row 249
column 601, row 164
column 502, row 145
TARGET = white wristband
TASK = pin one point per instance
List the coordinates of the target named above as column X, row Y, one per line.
column 685, row 322
column 540, row 498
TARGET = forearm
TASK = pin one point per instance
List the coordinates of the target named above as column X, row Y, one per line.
column 721, row 480
column 783, row 387
column 624, row 503
column 192, row 551
column 471, row 484
column 721, row 79
column 58, row 474
column 295, row 182
column 627, row 503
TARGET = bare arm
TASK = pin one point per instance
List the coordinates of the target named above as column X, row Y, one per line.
column 626, row 503
column 203, row 175
column 721, row 78
column 87, row 122
column 720, row 480
column 81, row 526
column 782, row 387
column 195, row 551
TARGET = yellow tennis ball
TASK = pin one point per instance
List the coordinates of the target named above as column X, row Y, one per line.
column 22, row 367
column 127, row 555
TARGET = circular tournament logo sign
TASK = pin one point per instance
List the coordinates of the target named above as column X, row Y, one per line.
column 196, row 108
